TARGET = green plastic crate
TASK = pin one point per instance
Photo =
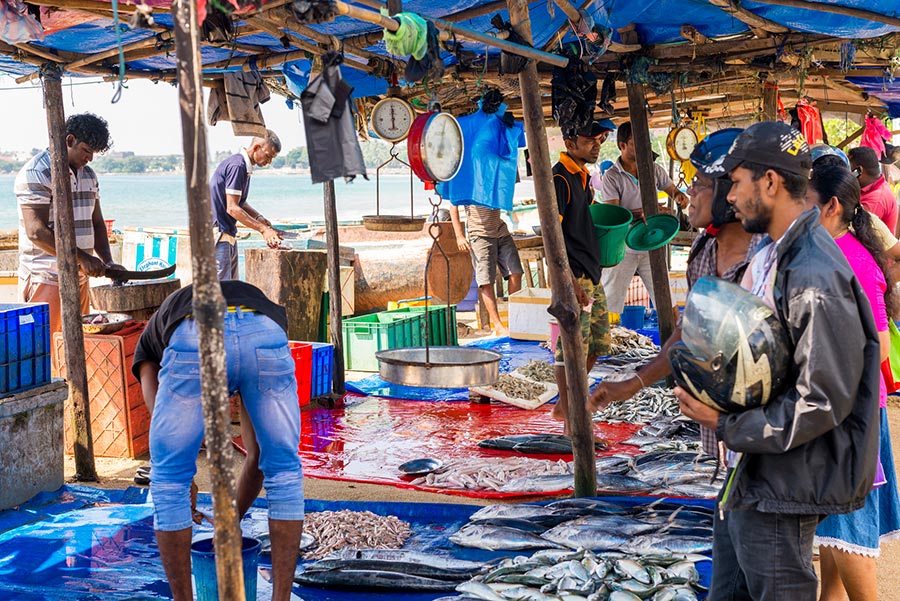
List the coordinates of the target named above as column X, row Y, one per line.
column 437, row 323
column 367, row 334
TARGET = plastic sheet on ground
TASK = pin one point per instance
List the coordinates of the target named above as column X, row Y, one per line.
column 84, row 544
column 515, row 353
column 369, row 437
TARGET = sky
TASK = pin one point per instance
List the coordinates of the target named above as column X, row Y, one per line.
column 145, row 121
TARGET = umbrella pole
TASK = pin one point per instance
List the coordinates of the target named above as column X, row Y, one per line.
column 208, row 304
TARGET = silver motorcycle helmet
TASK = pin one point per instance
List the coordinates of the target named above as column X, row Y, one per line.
column 734, row 352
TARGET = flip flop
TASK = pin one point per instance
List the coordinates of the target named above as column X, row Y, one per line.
column 142, row 475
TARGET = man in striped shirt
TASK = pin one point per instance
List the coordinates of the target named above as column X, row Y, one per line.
column 38, row 276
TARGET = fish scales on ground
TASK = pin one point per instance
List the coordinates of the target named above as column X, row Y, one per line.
column 336, row 530
column 584, row 575
column 644, row 407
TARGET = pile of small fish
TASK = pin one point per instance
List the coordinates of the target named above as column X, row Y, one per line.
column 337, row 530
column 369, row 569
column 550, row 444
column 644, row 407
column 683, row 474
column 519, row 388
column 677, row 433
column 657, row 528
column 539, row 371
column 624, row 340
column 564, row 575
column 504, row 474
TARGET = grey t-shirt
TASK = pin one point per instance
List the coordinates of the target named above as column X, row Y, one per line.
column 618, row 183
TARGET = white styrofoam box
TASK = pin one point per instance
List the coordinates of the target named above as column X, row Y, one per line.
column 348, row 289
column 678, row 287
column 528, row 317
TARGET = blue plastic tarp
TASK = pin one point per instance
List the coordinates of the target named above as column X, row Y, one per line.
column 885, row 89
column 85, row 544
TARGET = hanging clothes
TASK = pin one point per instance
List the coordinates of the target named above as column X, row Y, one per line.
column 329, row 123
column 875, row 135
column 239, row 102
column 488, row 172
column 17, row 26
column 810, row 122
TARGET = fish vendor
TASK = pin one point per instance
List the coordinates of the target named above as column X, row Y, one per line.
column 574, row 195
column 812, row 449
column 260, row 368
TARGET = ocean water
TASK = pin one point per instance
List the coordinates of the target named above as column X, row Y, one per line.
column 160, row 200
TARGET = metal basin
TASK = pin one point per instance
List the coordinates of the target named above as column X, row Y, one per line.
column 420, row 467
column 447, row 366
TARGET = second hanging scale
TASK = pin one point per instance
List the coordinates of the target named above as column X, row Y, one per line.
column 435, row 145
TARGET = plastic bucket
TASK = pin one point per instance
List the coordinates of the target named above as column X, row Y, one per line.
column 611, row 223
column 633, row 317
column 554, row 335
column 203, row 566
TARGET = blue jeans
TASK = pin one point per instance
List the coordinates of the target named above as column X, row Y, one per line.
column 226, row 261
column 763, row 557
column 260, row 367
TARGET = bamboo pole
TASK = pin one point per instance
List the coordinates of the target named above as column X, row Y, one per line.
column 573, row 15
column 846, row 141
column 837, row 9
column 334, row 285
column 564, row 305
column 67, row 265
column 390, row 24
column 208, row 304
column 643, row 151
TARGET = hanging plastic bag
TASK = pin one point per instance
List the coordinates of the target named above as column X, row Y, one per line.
column 875, row 134
column 17, row 26
column 810, row 122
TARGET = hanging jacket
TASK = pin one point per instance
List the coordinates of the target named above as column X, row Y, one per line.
column 330, row 133
column 239, row 102
column 875, row 134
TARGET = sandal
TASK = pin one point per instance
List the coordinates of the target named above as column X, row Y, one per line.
column 142, row 475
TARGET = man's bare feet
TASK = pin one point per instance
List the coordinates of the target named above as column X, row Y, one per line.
column 500, row 332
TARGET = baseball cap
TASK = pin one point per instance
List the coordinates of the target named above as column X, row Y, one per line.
column 772, row 144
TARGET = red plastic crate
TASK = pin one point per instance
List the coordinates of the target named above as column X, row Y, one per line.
column 120, row 422
column 302, row 353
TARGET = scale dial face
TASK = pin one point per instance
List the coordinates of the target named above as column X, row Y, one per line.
column 442, row 147
column 392, row 118
column 681, row 142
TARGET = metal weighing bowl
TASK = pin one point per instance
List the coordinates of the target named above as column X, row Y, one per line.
column 116, row 322
column 393, row 223
column 420, row 467
column 448, row 366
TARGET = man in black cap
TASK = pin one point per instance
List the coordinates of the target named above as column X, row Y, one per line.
column 574, row 196
column 812, row 449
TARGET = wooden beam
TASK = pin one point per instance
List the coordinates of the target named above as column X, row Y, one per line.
column 757, row 24
column 722, row 48
column 837, row 9
column 574, row 16
column 690, row 33
column 67, row 266
column 846, row 141
column 644, row 152
column 564, row 305
column 770, row 102
column 208, row 303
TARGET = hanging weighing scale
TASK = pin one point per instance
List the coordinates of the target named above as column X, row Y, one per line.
column 435, row 147
column 392, row 118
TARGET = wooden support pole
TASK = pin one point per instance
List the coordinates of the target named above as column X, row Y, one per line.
column 646, row 175
column 334, row 284
column 564, row 304
column 757, row 24
column 67, row 266
column 846, row 141
column 770, row 102
column 208, row 303
column 837, row 9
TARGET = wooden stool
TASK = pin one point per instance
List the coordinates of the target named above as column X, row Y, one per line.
column 536, row 254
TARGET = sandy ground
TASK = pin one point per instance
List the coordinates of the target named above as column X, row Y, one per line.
column 119, row 473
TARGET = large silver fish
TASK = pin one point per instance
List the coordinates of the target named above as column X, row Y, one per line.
column 494, row 538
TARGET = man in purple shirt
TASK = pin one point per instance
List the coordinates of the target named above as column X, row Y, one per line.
column 228, row 190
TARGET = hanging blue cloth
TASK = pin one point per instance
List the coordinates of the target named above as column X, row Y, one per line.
column 487, row 176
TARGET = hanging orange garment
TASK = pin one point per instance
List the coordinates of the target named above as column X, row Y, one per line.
column 810, row 122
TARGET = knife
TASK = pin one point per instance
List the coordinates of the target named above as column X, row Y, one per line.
column 121, row 275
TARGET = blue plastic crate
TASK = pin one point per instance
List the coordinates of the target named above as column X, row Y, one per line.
column 322, row 367
column 22, row 375
column 24, row 331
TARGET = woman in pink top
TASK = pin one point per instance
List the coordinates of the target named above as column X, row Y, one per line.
column 849, row 543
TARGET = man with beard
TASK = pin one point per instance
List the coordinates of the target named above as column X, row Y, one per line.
column 574, row 196
column 812, row 449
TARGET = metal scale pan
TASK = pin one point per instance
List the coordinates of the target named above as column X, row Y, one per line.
column 439, row 366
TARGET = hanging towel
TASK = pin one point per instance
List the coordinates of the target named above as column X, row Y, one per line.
column 239, row 102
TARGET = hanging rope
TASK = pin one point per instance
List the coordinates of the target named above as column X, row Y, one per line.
column 118, row 27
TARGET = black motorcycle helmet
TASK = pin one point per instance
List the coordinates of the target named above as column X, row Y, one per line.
column 734, row 352
column 707, row 158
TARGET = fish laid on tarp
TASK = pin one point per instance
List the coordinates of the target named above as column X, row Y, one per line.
column 646, row 406
column 372, row 579
column 555, row 444
column 336, row 530
column 490, row 473
column 407, row 562
column 495, row 538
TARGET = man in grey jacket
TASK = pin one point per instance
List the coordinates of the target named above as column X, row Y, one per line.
column 812, row 449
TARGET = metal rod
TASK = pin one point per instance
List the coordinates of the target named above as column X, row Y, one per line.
column 208, row 303
column 564, row 305
column 334, row 285
column 67, row 265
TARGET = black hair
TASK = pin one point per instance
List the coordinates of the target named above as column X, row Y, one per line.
column 623, row 134
column 843, row 185
column 90, row 129
column 830, row 161
column 866, row 158
column 794, row 183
